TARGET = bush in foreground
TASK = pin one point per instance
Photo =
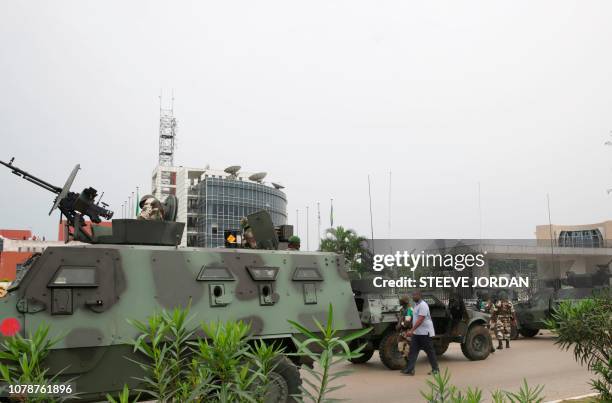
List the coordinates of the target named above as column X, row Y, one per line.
column 586, row 326
column 440, row 390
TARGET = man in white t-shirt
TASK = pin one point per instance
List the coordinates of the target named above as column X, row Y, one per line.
column 421, row 332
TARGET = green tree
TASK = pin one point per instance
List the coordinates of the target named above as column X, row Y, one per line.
column 347, row 243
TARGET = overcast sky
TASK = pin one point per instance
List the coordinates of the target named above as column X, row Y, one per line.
column 514, row 95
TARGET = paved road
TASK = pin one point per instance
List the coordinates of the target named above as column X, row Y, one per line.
column 536, row 359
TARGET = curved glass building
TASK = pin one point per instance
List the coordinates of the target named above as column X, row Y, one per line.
column 222, row 201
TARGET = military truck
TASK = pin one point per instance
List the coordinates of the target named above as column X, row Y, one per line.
column 453, row 323
column 86, row 290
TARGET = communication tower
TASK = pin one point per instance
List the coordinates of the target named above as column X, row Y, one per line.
column 167, row 133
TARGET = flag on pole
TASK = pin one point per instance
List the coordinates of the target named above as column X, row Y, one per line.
column 331, row 213
column 137, row 202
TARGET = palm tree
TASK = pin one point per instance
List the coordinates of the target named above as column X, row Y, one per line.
column 347, row 243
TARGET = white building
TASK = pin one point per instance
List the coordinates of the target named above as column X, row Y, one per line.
column 194, row 203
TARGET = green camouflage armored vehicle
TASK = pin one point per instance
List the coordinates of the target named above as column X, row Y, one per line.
column 86, row 290
column 453, row 323
column 532, row 313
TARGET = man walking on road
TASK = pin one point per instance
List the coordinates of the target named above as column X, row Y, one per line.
column 421, row 332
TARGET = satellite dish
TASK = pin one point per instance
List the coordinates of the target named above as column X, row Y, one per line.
column 258, row 177
column 170, row 208
column 277, row 185
column 232, row 170
column 66, row 188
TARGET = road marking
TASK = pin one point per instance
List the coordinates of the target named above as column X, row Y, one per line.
column 573, row 398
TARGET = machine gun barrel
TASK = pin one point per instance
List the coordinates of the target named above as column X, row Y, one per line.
column 31, row 178
column 73, row 206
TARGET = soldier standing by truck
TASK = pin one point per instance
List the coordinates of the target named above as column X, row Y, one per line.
column 506, row 317
column 489, row 308
column 404, row 323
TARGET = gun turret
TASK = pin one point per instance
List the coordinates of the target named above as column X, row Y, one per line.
column 72, row 205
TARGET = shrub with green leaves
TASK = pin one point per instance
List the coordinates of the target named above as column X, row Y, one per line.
column 123, row 397
column 224, row 366
column 325, row 348
column 22, row 361
column 586, row 326
column 440, row 390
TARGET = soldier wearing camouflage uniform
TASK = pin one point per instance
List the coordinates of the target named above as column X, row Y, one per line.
column 248, row 239
column 505, row 317
column 489, row 308
column 152, row 209
column 404, row 323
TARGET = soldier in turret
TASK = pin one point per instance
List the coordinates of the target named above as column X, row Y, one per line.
column 294, row 243
column 248, row 239
column 151, row 209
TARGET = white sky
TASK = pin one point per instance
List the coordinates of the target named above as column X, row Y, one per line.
column 514, row 95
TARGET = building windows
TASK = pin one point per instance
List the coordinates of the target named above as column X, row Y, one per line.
column 581, row 239
column 223, row 202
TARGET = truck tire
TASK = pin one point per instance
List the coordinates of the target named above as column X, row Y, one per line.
column 285, row 382
column 366, row 354
column 528, row 332
column 440, row 348
column 477, row 344
column 389, row 354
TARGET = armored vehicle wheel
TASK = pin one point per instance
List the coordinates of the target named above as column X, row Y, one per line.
column 477, row 345
column 285, row 381
column 389, row 353
column 366, row 354
column 440, row 348
column 528, row 332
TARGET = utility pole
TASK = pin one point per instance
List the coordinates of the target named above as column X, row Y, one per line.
column 371, row 219
column 550, row 230
column 479, row 215
column 389, row 224
column 307, row 229
column 319, row 224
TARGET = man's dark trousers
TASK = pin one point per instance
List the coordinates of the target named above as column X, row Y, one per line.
column 420, row 342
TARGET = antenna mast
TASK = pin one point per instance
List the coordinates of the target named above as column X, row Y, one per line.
column 167, row 132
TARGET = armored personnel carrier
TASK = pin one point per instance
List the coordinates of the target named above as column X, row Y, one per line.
column 86, row 291
column 533, row 313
